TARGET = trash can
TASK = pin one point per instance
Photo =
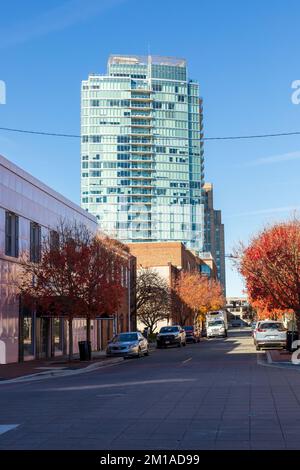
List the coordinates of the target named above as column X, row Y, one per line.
column 85, row 350
column 290, row 337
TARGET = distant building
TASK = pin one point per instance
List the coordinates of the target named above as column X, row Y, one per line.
column 142, row 157
column 214, row 241
column 163, row 255
column 239, row 307
column 168, row 259
column 29, row 210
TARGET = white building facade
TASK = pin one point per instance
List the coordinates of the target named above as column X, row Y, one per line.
column 28, row 211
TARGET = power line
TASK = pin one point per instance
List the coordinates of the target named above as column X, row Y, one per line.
column 51, row 134
column 77, row 136
column 257, row 136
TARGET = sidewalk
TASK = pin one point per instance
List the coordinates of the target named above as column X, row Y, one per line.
column 58, row 366
column 281, row 356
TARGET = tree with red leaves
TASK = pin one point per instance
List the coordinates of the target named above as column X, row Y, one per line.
column 271, row 268
column 78, row 276
column 263, row 312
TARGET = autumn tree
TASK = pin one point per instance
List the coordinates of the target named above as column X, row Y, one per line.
column 199, row 293
column 263, row 312
column 78, row 276
column 271, row 268
column 102, row 278
column 153, row 298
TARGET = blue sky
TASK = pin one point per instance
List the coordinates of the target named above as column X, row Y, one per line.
column 244, row 54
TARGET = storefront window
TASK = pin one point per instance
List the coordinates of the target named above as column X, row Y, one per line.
column 28, row 335
column 58, row 334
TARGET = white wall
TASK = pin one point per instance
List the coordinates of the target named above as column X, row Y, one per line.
column 33, row 201
column 164, row 272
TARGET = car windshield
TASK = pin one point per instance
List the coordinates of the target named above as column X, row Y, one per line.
column 123, row 337
column 271, row 326
column 169, row 329
column 215, row 323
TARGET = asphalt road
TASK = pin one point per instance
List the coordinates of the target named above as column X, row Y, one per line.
column 219, row 394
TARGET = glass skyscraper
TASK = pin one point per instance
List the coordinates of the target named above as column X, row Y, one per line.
column 142, row 162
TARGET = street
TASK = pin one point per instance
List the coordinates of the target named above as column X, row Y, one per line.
column 219, row 394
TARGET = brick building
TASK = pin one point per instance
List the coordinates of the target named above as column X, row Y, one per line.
column 169, row 258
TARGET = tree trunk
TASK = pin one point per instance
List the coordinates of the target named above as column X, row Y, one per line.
column 88, row 329
column 151, row 329
column 70, row 339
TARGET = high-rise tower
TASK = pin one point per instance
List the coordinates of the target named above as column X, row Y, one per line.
column 142, row 163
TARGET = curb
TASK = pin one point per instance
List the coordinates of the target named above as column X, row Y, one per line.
column 269, row 357
column 61, row 373
column 278, row 365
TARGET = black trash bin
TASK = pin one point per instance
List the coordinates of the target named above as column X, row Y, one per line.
column 290, row 337
column 85, row 350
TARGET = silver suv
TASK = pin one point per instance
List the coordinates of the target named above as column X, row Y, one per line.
column 270, row 333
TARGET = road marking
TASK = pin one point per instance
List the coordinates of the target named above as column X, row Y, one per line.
column 119, row 384
column 187, row 360
column 111, row 395
column 7, row 427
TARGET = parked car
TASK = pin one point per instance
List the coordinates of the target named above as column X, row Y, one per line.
column 253, row 326
column 192, row 334
column 237, row 323
column 216, row 328
column 171, row 335
column 256, row 328
column 132, row 344
column 270, row 334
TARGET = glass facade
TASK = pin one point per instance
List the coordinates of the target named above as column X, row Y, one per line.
column 142, row 163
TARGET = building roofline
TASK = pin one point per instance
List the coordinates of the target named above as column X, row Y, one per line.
column 146, row 59
column 7, row 164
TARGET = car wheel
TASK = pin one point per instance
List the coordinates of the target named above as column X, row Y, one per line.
column 139, row 353
column 146, row 352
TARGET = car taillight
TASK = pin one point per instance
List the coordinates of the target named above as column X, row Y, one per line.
column 261, row 330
